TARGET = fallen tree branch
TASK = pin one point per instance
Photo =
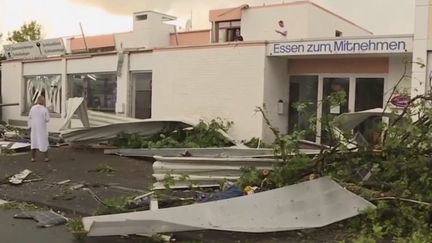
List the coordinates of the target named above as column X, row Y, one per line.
column 402, row 199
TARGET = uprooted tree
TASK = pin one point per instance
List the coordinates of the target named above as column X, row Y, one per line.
column 396, row 175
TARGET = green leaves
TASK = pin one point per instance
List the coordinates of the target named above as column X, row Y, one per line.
column 201, row 136
column 27, row 32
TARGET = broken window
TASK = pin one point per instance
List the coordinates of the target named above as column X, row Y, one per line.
column 98, row 90
column 48, row 86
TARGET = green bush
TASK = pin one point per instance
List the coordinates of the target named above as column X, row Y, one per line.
column 200, row 136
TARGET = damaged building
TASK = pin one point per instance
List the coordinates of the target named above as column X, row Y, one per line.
column 159, row 73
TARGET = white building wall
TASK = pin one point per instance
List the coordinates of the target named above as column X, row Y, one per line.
column 141, row 61
column 12, row 89
column 301, row 21
column 94, row 64
column 276, row 87
column 47, row 67
column 224, row 81
column 321, row 24
column 149, row 33
column 13, row 92
column 420, row 46
column 260, row 23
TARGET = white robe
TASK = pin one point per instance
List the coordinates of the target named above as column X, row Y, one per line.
column 38, row 121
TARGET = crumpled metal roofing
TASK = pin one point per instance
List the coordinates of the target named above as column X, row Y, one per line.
column 309, row 204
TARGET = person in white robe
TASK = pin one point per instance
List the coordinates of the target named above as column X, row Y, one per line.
column 38, row 121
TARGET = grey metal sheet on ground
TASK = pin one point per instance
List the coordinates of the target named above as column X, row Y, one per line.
column 104, row 133
column 310, row 204
column 201, row 152
column 193, row 152
column 204, row 171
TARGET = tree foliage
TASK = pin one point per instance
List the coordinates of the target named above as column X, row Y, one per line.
column 28, row 32
column 2, row 57
column 200, row 136
column 396, row 175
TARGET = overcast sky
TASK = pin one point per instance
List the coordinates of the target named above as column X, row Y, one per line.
column 62, row 17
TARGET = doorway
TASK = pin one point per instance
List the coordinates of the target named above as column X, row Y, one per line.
column 303, row 90
column 369, row 93
column 335, row 101
column 141, row 105
column 360, row 93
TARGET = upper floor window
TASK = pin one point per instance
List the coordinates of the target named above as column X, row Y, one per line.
column 338, row 33
column 228, row 31
column 141, row 17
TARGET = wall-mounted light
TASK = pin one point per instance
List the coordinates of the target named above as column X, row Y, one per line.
column 281, row 107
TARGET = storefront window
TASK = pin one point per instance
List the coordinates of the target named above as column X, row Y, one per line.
column 48, row 86
column 98, row 90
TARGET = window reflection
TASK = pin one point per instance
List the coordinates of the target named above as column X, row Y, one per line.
column 98, row 90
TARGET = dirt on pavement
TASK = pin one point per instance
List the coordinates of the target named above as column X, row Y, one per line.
column 79, row 166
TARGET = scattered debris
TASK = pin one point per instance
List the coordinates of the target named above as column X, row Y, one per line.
column 64, row 197
column 203, row 172
column 11, row 135
column 142, row 201
column 2, row 202
column 126, row 188
column 310, row 204
column 8, row 147
column 33, row 180
column 222, row 152
column 19, row 178
column 231, row 192
column 63, row 182
column 76, row 187
column 45, row 219
column 250, row 190
column 95, row 197
column 107, row 132
column 103, row 168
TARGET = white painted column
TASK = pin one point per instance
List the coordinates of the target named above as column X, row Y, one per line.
column 65, row 87
column 122, row 86
column 421, row 29
column 319, row 107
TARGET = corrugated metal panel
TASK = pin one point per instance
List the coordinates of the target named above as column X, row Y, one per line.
column 310, row 204
column 203, row 172
column 193, row 152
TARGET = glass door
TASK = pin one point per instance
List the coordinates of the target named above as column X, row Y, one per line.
column 335, row 101
column 142, row 95
column 369, row 95
column 303, row 90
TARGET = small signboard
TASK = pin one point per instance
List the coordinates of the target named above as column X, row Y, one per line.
column 35, row 49
column 400, row 101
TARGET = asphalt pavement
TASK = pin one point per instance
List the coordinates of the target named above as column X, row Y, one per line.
column 126, row 177
column 25, row 231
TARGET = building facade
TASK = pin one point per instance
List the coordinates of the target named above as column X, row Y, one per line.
column 156, row 72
